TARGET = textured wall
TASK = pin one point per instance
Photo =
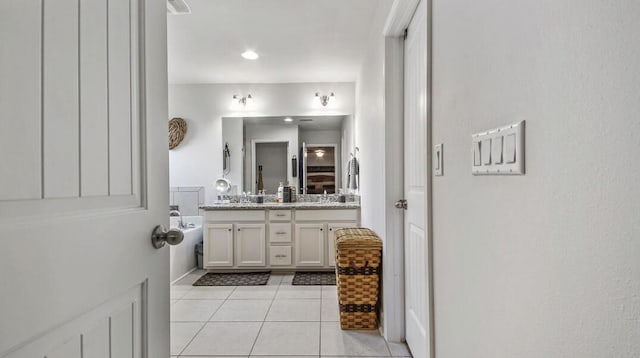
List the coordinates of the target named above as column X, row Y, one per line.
column 546, row 264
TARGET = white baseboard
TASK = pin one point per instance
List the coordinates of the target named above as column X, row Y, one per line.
column 183, row 276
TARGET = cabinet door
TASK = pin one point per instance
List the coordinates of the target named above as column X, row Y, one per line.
column 250, row 245
column 218, row 245
column 331, row 244
column 310, row 245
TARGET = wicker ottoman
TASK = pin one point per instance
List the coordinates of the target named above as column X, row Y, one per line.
column 358, row 259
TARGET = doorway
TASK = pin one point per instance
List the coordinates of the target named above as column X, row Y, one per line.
column 320, row 171
column 271, row 165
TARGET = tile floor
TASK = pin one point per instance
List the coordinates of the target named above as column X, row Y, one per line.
column 276, row 320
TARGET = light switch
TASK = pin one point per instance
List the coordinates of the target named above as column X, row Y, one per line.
column 510, row 148
column 476, row 154
column 486, row 151
column 496, row 150
column 437, row 159
column 499, row 151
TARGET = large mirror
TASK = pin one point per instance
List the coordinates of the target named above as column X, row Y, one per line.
column 309, row 152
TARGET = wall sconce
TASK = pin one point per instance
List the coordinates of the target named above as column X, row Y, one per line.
column 324, row 99
column 242, row 100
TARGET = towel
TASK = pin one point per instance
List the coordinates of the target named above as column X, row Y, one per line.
column 353, row 174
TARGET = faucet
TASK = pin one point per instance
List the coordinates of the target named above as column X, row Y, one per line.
column 177, row 213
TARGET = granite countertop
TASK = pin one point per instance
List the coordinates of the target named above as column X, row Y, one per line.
column 297, row 205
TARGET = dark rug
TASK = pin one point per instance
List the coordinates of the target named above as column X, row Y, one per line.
column 302, row 278
column 233, row 279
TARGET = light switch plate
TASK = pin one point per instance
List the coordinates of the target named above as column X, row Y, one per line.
column 437, row 160
column 504, row 147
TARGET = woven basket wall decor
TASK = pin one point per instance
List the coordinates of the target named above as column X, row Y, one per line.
column 177, row 131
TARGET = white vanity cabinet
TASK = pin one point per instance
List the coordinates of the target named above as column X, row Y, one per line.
column 314, row 235
column 275, row 238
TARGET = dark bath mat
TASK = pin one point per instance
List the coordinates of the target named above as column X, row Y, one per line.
column 233, row 279
column 316, row 278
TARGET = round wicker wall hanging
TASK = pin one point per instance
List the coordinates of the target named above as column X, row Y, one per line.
column 177, row 131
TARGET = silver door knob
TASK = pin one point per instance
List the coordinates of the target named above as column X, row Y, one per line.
column 401, row 204
column 161, row 236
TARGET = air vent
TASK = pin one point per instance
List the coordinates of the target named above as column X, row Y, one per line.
column 306, row 120
column 178, row 7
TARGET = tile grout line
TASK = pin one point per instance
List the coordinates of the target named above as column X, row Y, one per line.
column 205, row 323
column 265, row 318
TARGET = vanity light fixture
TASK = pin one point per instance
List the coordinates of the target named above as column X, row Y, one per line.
column 250, row 55
column 324, row 99
column 319, row 153
column 288, row 119
column 242, row 100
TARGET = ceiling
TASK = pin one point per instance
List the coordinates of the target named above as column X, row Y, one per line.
column 297, row 40
column 303, row 122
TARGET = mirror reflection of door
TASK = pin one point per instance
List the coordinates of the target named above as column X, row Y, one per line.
column 272, row 157
column 321, row 168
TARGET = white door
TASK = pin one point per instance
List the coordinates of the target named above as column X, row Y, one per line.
column 218, row 249
column 251, row 245
column 83, row 181
column 309, row 241
column 416, row 184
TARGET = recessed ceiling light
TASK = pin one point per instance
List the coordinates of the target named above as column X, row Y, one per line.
column 288, row 119
column 250, row 55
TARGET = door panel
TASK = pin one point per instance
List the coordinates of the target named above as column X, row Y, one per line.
column 113, row 327
column 309, row 245
column 218, row 251
column 21, row 73
column 94, row 126
column 251, row 245
column 416, row 186
column 87, row 178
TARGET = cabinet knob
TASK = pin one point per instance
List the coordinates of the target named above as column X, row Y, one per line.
column 321, row 229
column 238, row 229
column 229, row 229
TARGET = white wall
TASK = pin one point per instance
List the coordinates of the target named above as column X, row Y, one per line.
column 375, row 138
column 546, row 264
column 198, row 160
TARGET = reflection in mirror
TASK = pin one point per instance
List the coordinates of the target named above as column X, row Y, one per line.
column 273, row 143
column 320, row 168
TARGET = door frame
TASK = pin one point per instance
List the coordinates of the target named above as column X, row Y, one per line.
column 398, row 20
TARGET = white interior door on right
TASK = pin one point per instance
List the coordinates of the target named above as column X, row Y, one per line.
column 416, row 184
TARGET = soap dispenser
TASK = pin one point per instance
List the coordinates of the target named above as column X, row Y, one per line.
column 280, row 189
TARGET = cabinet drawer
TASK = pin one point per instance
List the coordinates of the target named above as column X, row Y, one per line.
column 279, row 215
column 327, row 215
column 280, row 255
column 280, row 232
column 235, row 215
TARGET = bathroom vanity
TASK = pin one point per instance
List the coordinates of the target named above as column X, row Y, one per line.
column 274, row 235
